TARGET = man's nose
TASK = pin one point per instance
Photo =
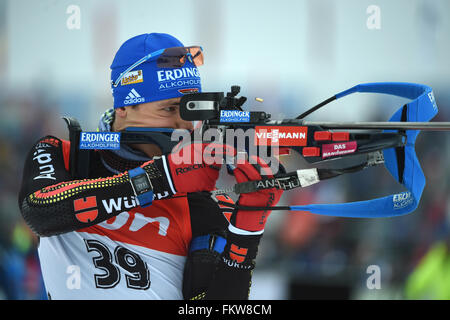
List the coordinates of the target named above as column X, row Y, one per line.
column 183, row 124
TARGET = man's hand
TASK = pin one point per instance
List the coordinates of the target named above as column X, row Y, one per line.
column 193, row 167
column 254, row 221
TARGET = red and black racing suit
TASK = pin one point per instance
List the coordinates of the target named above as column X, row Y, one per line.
column 93, row 229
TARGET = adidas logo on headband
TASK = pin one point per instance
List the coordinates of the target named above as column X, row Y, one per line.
column 133, row 98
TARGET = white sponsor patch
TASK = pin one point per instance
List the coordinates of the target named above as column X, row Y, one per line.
column 308, row 177
column 100, row 140
column 178, row 78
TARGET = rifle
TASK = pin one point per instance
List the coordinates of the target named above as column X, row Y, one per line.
column 390, row 143
column 319, row 142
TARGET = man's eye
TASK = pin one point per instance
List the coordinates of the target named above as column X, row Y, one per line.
column 170, row 109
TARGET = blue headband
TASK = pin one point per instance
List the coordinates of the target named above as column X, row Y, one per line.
column 402, row 163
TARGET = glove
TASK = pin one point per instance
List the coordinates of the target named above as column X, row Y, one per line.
column 193, row 167
column 254, row 221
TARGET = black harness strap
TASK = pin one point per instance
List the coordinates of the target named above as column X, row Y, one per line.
column 79, row 160
column 400, row 151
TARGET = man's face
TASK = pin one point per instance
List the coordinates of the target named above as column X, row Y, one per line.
column 156, row 114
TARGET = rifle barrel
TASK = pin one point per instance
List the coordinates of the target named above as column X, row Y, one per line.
column 427, row 126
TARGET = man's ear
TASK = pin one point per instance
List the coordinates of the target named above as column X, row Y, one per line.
column 121, row 112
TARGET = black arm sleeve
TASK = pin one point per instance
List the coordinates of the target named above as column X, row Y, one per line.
column 206, row 219
column 212, row 275
column 233, row 274
column 51, row 202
